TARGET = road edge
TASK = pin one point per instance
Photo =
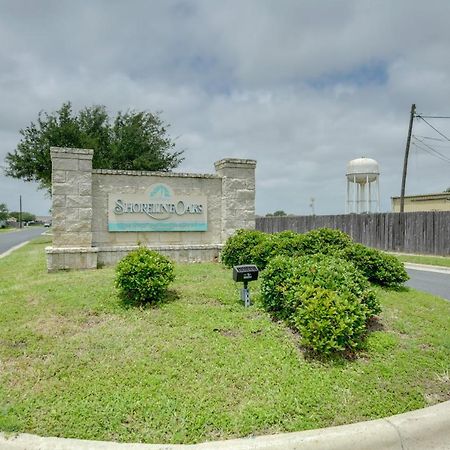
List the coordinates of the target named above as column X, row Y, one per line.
column 12, row 249
column 415, row 430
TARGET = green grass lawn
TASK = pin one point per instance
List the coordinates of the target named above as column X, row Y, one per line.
column 75, row 362
column 7, row 230
column 430, row 260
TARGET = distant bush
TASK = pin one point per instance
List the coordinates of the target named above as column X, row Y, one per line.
column 256, row 247
column 329, row 322
column 325, row 240
column 143, row 276
column 238, row 247
column 379, row 267
column 287, row 243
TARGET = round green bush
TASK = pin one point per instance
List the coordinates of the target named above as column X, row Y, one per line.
column 379, row 267
column 284, row 276
column 238, row 247
column 143, row 276
column 329, row 322
column 286, row 243
column 325, row 240
column 281, row 276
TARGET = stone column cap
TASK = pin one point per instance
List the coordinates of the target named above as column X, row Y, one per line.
column 235, row 163
column 78, row 153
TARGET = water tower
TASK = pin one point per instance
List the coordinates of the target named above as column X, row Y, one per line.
column 363, row 189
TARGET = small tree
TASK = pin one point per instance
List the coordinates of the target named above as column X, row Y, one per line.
column 133, row 140
column 4, row 214
column 26, row 216
column 276, row 214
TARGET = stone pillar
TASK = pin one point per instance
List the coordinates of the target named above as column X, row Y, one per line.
column 71, row 210
column 71, row 197
column 238, row 194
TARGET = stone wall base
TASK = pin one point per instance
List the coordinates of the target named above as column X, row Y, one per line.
column 71, row 258
column 95, row 257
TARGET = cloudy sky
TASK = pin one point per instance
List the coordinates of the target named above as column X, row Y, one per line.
column 302, row 86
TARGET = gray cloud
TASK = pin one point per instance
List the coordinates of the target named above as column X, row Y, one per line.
column 302, row 87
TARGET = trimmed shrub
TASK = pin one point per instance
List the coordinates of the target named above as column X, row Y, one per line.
column 238, row 248
column 284, row 276
column 325, row 240
column 143, row 276
column 379, row 267
column 329, row 322
column 281, row 276
column 287, row 243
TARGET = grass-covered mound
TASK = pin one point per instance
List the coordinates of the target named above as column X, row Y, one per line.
column 77, row 362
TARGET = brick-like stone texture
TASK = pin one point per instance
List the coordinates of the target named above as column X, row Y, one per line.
column 80, row 210
column 71, row 193
column 238, row 194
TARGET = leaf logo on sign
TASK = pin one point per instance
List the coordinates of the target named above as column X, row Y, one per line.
column 160, row 191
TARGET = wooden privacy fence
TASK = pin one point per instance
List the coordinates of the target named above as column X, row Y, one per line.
column 417, row 232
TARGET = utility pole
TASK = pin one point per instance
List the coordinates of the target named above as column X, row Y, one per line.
column 311, row 205
column 405, row 162
column 20, row 211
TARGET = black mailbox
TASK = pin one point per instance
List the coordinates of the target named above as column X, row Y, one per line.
column 245, row 273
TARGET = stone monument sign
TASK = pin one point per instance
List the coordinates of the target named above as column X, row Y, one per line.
column 98, row 216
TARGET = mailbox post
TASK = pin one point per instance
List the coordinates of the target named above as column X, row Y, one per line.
column 245, row 273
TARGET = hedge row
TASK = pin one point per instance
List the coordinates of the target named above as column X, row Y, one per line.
column 256, row 247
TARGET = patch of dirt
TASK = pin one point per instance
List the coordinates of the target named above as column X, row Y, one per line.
column 228, row 333
column 13, row 344
column 33, row 301
column 437, row 388
column 59, row 325
column 257, row 332
column 375, row 324
column 426, row 347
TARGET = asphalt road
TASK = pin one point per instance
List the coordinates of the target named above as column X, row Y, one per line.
column 432, row 282
column 10, row 239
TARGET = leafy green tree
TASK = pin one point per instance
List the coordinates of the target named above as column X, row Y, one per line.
column 276, row 214
column 26, row 216
column 132, row 141
column 4, row 214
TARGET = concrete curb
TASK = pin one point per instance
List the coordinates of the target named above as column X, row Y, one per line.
column 423, row 429
column 8, row 252
column 427, row 268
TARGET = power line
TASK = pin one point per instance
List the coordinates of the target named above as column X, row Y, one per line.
column 435, row 129
column 434, row 117
column 428, row 148
column 430, row 153
column 431, row 138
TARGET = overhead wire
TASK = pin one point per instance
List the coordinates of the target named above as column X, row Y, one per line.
column 434, row 128
column 430, row 150
column 433, row 117
column 430, row 147
column 431, row 138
